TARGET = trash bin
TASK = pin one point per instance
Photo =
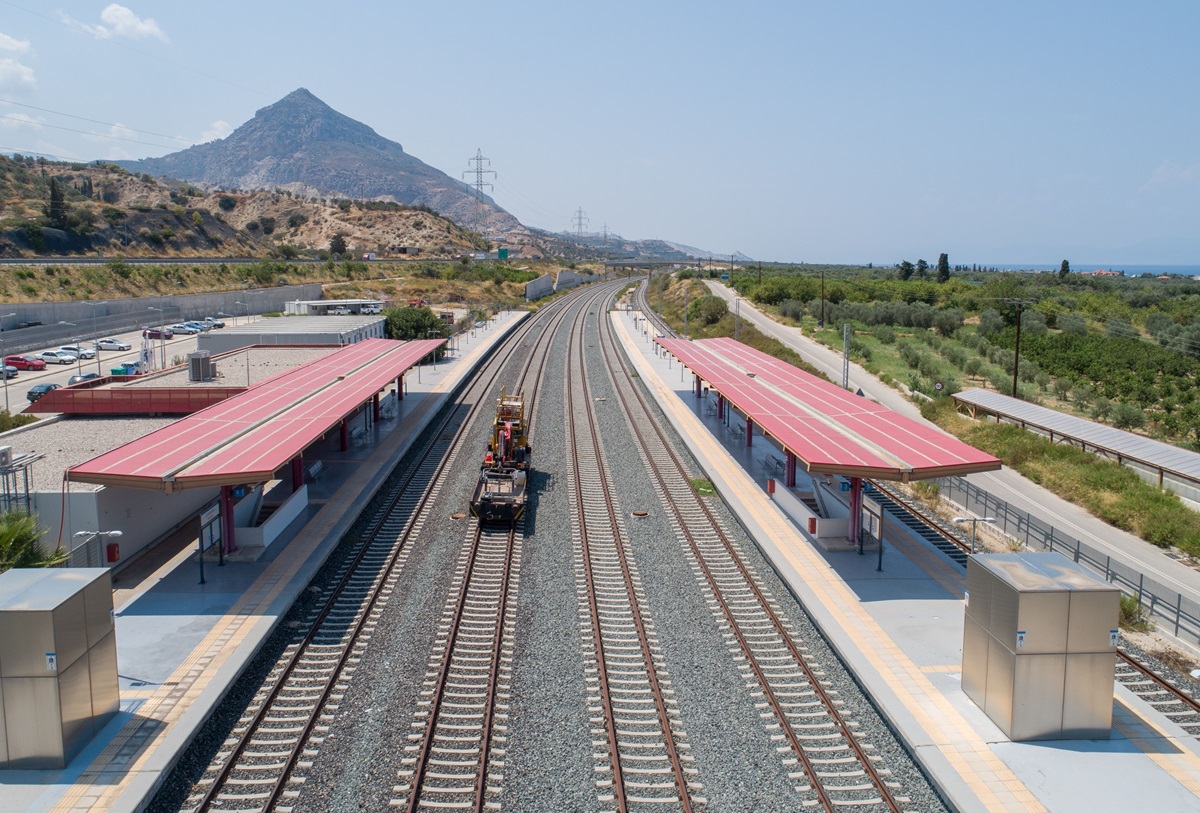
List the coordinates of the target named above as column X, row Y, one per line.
column 118, row 370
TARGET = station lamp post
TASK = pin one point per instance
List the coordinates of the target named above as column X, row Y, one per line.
column 89, row 536
column 974, row 522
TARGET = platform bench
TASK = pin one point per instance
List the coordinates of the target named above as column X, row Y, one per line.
column 314, row 471
column 358, row 435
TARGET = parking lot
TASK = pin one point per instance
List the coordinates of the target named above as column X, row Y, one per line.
column 16, row 388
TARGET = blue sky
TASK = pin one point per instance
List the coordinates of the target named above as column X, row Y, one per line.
column 1019, row 132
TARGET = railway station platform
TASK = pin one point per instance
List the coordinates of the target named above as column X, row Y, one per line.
column 181, row 644
column 901, row 631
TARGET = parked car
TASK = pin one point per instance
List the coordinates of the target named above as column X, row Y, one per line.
column 158, row 333
column 372, row 309
column 78, row 350
column 10, row 372
column 340, row 310
column 214, row 321
column 38, row 390
column 201, row 326
column 58, row 357
column 25, row 362
column 183, row 330
column 111, row 344
column 75, row 379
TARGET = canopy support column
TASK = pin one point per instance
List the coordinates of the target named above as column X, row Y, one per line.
column 344, row 432
column 789, row 469
column 297, row 473
column 400, row 388
column 696, row 385
column 749, row 430
column 720, row 407
column 227, row 539
column 855, row 509
column 375, row 406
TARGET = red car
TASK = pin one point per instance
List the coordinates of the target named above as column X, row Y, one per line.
column 158, row 333
column 24, row 363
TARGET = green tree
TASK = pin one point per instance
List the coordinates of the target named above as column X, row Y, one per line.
column 56, row 209
column 906, row 270
column 943, row 268
column 990, row 322
column 407, row 324
column 922, row 269
column 1064, row 270
column 20, row 543
column 337, row 245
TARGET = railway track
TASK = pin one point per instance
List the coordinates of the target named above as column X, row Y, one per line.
column 640, row 753
column 261, row 765
column 836, row 768
column 456, row 759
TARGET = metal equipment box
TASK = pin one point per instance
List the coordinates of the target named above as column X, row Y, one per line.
column 1039, row 638
column 58, row 663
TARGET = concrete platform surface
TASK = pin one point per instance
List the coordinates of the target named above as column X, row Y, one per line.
column 901, row 631
column 182, row 644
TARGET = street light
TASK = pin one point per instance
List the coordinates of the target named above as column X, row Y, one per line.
column 974, row 522
column 95, row 336
column 96, row 535
column 6, row 409
column 162, row 337
column 247, row 307
column 75, row 341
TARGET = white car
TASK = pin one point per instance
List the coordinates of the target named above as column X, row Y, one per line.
column 186, row 330
column 371, row 309
column 57, row 357
column 340, row 310
column 111, row 344
column 79, row 350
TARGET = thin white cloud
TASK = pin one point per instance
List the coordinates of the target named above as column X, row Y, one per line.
column 18, row 121
column 16, row 76
column 13, row 45
column 114, row 131
column 218, row 129
column 118, row 21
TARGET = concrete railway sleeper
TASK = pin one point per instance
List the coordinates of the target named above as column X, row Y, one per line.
column 640, row 749
column 280, row 732
column 837, row 770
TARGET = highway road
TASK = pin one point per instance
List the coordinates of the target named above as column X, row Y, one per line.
column 1006, row 484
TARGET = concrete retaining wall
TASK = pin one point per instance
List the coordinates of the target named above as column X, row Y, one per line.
column 542, row 286
column 92, row 321
column 569, row 279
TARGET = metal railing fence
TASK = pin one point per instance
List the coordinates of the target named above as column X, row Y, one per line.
column 1168, row 608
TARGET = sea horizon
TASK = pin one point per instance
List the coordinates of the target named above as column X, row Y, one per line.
column 1130, row 269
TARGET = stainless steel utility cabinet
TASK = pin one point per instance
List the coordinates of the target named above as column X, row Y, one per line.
column 1039, row 640
column 58, row 663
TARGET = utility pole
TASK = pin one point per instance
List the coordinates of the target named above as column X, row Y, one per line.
column 1020, row 303
column 580, row 220
column 479, row 172
column 821, row 323
column 846, row 357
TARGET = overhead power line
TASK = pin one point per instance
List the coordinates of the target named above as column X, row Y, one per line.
column 96, row 121
column 85, row 132
column 579, row 220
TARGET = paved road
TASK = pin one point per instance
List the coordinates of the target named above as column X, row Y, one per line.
column 1005, row 484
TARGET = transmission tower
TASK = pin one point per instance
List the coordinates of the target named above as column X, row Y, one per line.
column 479, row 172
column 580, row 221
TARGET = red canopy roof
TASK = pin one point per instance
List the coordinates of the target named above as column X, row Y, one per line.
column 830, row 430
column 248, row 437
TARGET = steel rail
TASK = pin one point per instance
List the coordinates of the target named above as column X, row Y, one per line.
column 886, row 794
column 680, row 780
column 217, row 784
